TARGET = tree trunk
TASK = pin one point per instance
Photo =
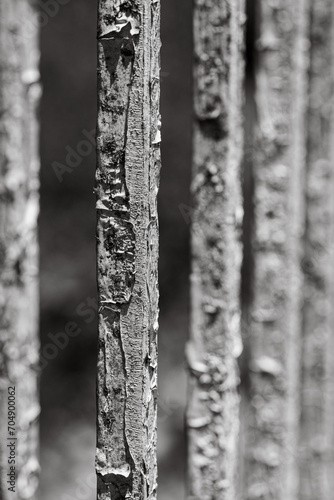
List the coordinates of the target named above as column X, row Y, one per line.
column 317, row 424
column 279, row 159
column 19, row 166
column 128, row 165
column 215, row 342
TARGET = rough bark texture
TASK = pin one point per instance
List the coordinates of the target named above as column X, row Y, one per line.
column 128, row 150
column 317, row 422
column 279, row 159
column 19, row 165
column 215, row 342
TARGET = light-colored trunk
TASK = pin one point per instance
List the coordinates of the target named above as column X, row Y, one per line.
column 127, row 178
column 279, row 159
column 19, row 166
column 317, row 422
column 215, row 342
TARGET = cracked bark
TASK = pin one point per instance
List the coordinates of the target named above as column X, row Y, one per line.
column 215, row 342
column 19, row 205
column 127, row 177
column 275, row 312
column 317, row 423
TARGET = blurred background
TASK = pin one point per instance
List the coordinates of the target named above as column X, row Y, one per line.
column 67, row 238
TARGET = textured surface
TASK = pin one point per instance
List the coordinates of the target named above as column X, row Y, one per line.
column 317, row 401
column 214, row 345
column 19, row 165
column 128, row 149
column 275, row 313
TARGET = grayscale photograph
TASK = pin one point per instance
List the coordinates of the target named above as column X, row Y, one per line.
column 166, row 249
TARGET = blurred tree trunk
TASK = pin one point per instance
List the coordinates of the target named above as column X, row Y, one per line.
column 19, row 205
column 128, row 156
column 275, row 312
column 317, row 424
column 215, row 343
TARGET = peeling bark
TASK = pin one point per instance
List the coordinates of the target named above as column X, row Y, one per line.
column 19, row 205
column 127, row 178
column 317, row 422
column 275, row 312
column 215, row 342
